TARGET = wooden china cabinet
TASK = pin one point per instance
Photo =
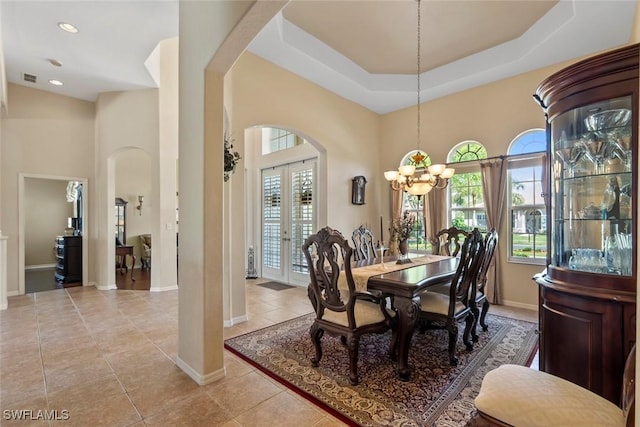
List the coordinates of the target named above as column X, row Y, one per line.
column 588, row 291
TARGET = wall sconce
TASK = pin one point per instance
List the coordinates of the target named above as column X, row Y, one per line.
column 139, row 207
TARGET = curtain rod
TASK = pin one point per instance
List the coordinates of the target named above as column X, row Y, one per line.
column 524, row 156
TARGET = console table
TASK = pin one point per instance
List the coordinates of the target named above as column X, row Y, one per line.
column 121, row 259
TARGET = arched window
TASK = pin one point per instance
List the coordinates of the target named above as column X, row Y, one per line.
column 417, row 243
column 528, row 240
column 466, row 197
column 276, row 139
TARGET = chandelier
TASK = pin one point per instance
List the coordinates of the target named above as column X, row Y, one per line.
column 434, row 176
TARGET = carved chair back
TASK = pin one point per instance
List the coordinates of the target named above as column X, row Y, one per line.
column 471, row 254
column 449, row 241
column 490, row 245
column 364, row 243
column 327, row 253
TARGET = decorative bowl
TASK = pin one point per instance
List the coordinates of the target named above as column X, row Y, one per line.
column 607, row 119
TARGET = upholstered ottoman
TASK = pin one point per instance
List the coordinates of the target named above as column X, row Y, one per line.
column 522, row 397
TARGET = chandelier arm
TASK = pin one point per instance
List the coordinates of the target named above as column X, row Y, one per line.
column 442, row 183
column 396, row 186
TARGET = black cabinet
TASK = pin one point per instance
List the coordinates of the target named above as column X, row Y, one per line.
column 69, row 260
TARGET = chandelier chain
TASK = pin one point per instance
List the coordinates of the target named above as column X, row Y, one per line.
column 418, row 76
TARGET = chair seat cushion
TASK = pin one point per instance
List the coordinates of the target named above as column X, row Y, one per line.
column 365, row 313
column 525, row 397
column 444, row 289
column 435, row 302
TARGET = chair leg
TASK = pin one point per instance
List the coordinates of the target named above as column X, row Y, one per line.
column 353, row 343
column 469, row 323
column 316, row 334
column 452, row 327
column 485, row 309
column 474, row 327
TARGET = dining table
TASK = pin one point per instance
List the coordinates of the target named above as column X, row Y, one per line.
column 403, row 283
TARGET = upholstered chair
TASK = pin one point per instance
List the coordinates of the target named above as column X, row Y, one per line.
column 341, row 310
column 145, row 243
column 514, row 395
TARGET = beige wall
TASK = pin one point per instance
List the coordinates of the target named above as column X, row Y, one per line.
column 346, row 135
column 42, row 134
column 46, row 211
column 125, row 122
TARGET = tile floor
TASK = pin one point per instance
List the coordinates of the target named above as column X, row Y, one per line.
column 107, row 359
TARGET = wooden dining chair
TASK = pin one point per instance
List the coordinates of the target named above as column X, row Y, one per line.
column 443, row 310
column 479, row 285
column 364, row 243
column 514, row 395
column 346, row 313
column 448, row 241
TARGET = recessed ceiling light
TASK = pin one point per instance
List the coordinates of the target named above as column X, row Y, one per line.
column 55, row 82
column 55, row 63
column 67, row 27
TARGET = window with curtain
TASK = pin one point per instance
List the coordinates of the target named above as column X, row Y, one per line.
column 528, row 234
column 466, row 197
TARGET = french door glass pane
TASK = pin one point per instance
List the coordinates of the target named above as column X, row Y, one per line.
column 272, row 202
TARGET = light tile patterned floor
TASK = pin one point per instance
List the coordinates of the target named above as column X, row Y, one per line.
column 107, row 357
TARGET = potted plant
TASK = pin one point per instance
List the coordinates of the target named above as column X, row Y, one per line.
column 401, row 229
column 231, row 158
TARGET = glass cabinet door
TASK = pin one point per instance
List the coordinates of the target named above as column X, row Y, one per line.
column 121, row 221
column 592, row 164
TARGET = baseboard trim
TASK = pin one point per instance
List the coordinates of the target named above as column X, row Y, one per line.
column 163, row 288
column 520, row 305
column 198, row 378
column 235, row 321
column 40, row 267
column 105, row 287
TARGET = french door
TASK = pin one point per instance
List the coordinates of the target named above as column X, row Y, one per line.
column 288, row 218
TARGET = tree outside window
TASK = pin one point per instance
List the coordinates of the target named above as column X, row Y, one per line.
column 466, row 197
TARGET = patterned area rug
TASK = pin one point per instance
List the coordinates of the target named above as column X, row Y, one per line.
column 437, row 394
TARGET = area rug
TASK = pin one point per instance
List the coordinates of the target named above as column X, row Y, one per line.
column 276, row 286
column 438, row 394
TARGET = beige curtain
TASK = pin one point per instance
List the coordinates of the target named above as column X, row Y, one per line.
column 435, row 213
column 396, row 212
column 494, row 177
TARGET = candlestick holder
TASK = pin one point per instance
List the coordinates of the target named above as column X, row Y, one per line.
column 381, row 248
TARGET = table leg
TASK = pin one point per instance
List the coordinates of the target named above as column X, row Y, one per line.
column 408, row 309
column 133, row 264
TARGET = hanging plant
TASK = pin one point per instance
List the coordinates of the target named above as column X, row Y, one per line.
column 231, row 158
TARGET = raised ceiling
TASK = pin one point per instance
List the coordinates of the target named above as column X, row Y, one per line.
column 362, row 50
